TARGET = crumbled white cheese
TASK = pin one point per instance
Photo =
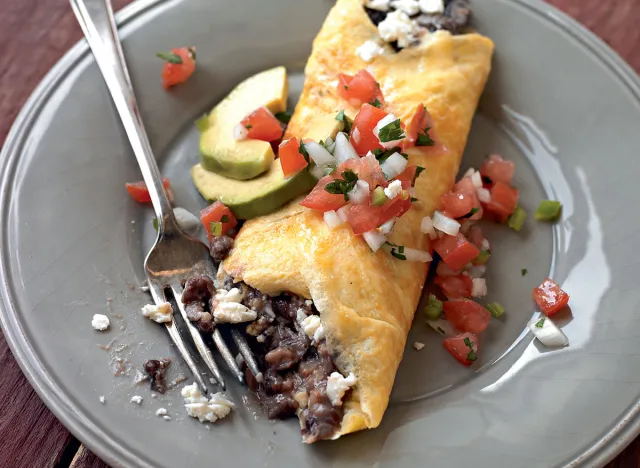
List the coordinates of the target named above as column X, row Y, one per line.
column 162, row 412
column 410, row 7
column 380, row 5
column 136, row 399
column 260, row 338
column 337, row 385
column 158, row 313
column 319, row 334
column 369, row 50
column 309, row 302
column 431, row 7
column 418, row 346
column 198, row 406
column 233, row 295
column 232, row 312
column 166, row 418
column 311, row 325
column 301, row 314
column 397, row 26
column 485, row 245
column 393, row 190
column 103, row 400
column 479, row 287
column 100, row 322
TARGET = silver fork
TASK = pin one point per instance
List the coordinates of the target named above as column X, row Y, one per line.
column 175, row 256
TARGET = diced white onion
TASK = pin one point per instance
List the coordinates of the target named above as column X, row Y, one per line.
column 469, row 172
column 359, row 193
column 426, row 227
column 483, row 195
column 548, row 333
column 393, row 190
column 317, row 172
column 442, row 327
column 355, row 134
column 343, row 213
column 374, row 239
column 240, row 132
column 477, row 271
column 386, row 228
column 445, row 224
column 186, row 220
column 343, row 149
column 330, row 144
column 332, row 219
column 485, row 245
column 386, row 120
column 415, row 255
column 479, row 287
column 476, row 178
column 393, row 165
column 445, row 270
column 319, row 154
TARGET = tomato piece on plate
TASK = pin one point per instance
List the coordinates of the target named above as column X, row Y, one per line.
column 291, row 159
column 497, row 169
column 140, row 193
column 456, row 251
column 457, row 204
column 550, row 297
column 504, row 200
column 359, row 89
column 463, row 347
column 261, row 124
column 363, row 139
column 467, row 315
column 420, row 130
column 363, row 218
column 178, row 66
column 455, row 287
column 321, row 200
column 217, row 212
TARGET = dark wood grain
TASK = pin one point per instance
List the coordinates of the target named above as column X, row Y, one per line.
column 34, row 34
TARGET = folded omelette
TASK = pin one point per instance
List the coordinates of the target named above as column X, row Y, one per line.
column 366, row 301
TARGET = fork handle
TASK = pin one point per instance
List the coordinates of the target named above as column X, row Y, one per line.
column 97, row 22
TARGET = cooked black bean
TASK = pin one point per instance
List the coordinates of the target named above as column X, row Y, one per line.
column 455, row 18
column 254, row 299
column 220, row 246
column 199, row 316
column 198, row 288
column 156, row 370
column 280, row 406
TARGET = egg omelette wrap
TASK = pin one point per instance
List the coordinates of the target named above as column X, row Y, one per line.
column 367, row 300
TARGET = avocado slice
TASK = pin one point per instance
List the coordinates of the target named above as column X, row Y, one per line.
column 245, row 159
column 256, row 197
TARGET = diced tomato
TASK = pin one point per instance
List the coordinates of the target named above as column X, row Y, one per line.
column 455, row 287
column 463, row 347
column 407, row 176
column 367, row 170
column 445, row 270
column 363, row 218
column 215, row 213
column 420, row 121
column 362, row 136
column 176, row 73
column 550, row 297
column 497, row 169
column 504, row 200
column 475, row 236
column 140, row 193
column 262, row 125
column 456, row 251
column 467, row 315
column 321, row 200
column 291, row 160
column 457, row 204
column 359, row 89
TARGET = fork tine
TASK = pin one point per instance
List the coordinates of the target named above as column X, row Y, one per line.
column 202, row 348
column 246, row 353
column 226, row 354
column 159, row 298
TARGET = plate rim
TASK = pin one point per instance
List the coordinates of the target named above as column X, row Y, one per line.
column 603, row 451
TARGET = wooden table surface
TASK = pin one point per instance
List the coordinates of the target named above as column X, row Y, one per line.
column 34, row 34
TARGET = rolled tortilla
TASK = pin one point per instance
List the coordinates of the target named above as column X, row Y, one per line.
column 367, row 300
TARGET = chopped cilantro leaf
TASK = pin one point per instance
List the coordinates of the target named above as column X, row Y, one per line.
column 192, row 51
column 377, row 103
column 303, row 151
column 414, row 199
column 391, row 132
column 471, row 355
column 224, row 219
column 284, row 117
column 248, row 127
column 540, row 323
column 424, row 139
column 471, row 213
column 341, row 117
column 524, row 272
column 170, row 57
column 382, row 155
column 343, row 186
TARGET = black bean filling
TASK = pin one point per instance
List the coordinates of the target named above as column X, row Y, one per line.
column 156, row 369
column 455, row 18
column 294, row 369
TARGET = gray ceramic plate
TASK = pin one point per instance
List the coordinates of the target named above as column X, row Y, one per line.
column 559, row 103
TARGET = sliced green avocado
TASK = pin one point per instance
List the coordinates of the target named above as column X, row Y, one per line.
column 256, row 197
column 245, row 159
